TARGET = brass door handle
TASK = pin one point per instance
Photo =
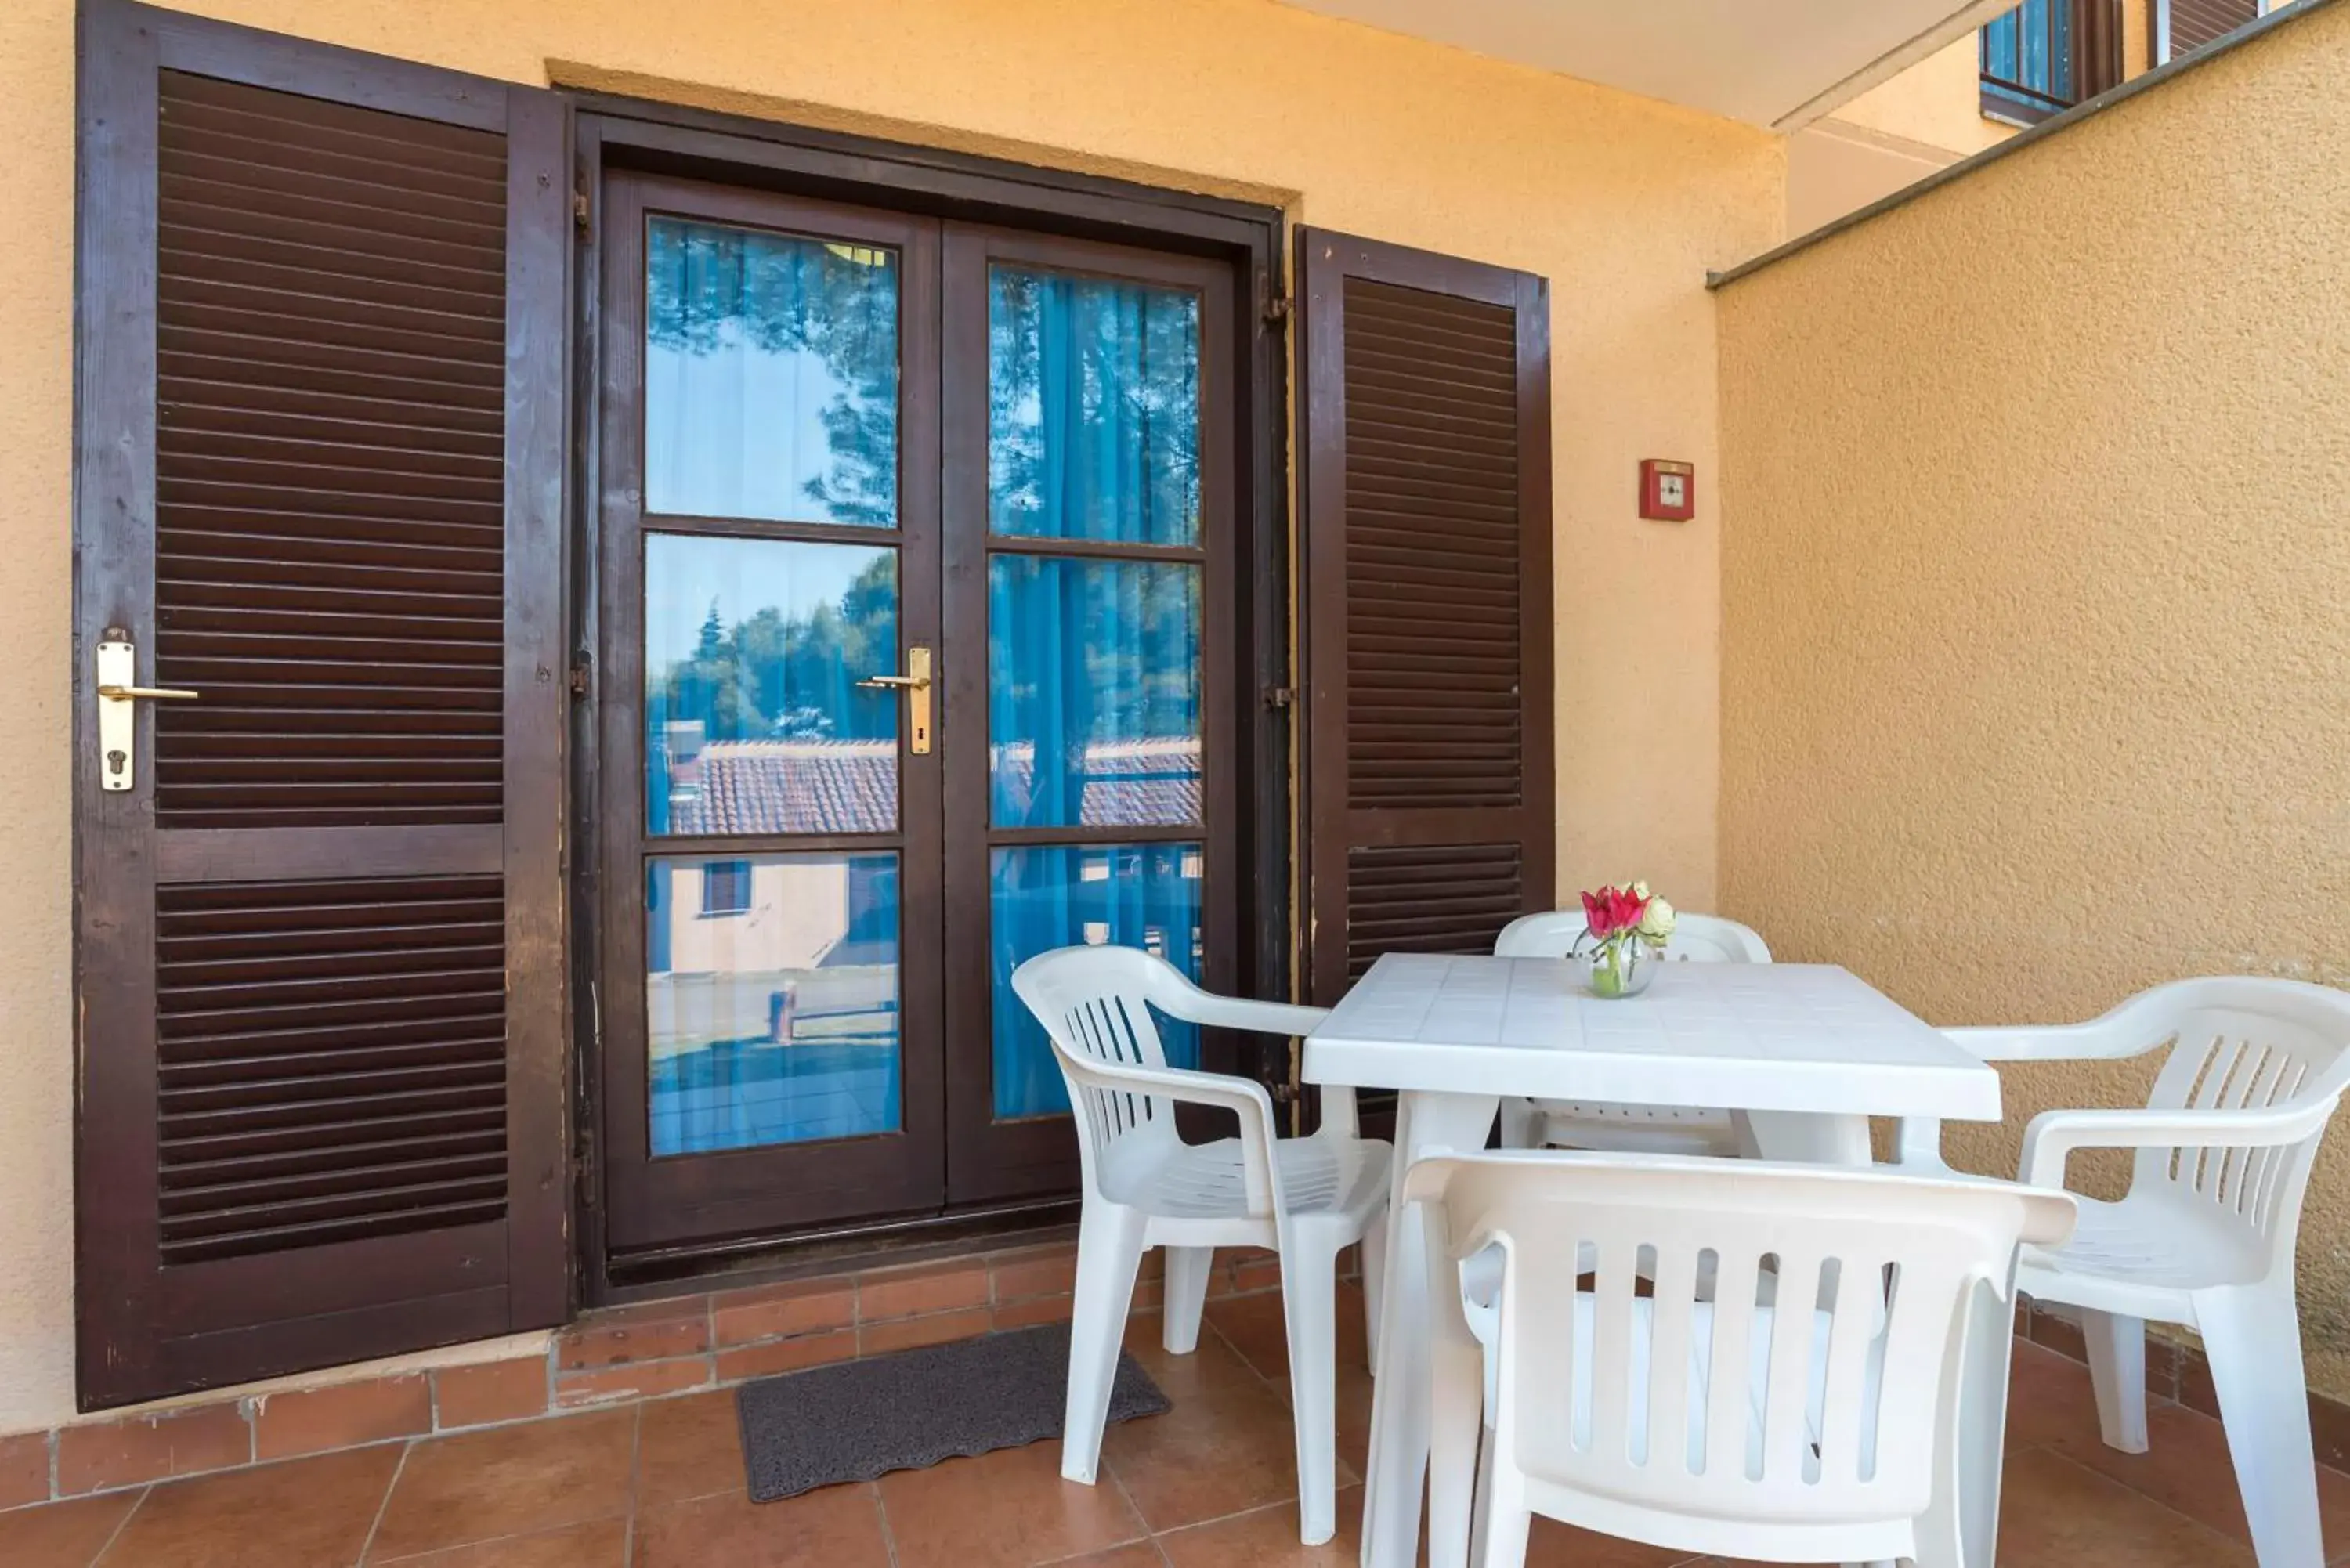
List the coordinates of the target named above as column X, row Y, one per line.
column 159, row 693
column 117, row 721
column 916, row 684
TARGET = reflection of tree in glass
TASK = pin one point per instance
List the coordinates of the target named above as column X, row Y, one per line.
column 770, row 678
column 1093, row 409
column 709, row 287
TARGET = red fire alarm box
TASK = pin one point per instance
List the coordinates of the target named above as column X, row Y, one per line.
column 1668, row 490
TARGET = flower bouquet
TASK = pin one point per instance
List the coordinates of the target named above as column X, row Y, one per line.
column 1625, row 931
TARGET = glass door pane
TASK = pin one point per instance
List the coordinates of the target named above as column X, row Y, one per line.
column 755, row 719
column 772, row 989
column 771, row 376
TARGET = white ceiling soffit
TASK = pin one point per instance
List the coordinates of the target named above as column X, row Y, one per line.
column 1779, row 64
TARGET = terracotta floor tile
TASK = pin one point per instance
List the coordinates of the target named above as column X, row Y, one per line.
column 303, row 1514
column 1254, row 1327
column 1223, row 1448
column 1214, row 1365
column 1140, row 1554
column 509, row 1481
column 2187, row 1467
column 2055, row 1513
column 1356, row 1392
column 689, row 1447
column 1267, row 1538
column 603, row 1543
column 2049, row 1399
column 1005, row 1509
column 63, row 1534
column 24, row 1470
column 837, row 1527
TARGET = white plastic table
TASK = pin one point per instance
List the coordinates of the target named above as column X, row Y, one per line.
column 1808, row 1052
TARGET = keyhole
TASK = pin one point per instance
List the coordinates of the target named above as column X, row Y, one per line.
column 114, row 761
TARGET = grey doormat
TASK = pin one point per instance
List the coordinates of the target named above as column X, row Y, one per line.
column 858, row 1420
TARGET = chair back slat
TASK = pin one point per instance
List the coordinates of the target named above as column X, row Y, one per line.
column 1786, row 1365
column 2241, row 1044
column 1095, row 1005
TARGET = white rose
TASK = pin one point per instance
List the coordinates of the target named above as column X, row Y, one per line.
column 1657, row 921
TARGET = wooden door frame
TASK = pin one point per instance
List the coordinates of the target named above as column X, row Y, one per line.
column 612, row 132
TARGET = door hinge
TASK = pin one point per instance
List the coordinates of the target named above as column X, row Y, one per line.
column 1276, row 310
column 579, row 675
column 579, row 210
column 1280, row 697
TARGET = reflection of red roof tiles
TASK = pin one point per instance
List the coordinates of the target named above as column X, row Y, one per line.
column 789, row 786
column 1129, row 783
column 850, row 786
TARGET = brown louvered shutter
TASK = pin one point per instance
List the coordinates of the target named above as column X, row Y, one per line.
column 2188, row 24
column 1424, row 428
column 320, row 483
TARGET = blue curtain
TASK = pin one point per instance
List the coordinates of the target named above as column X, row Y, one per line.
column 1092, row 678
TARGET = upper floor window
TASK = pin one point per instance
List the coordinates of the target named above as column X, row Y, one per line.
column 2047, row 56
column 2181, row 27
column 726, row 888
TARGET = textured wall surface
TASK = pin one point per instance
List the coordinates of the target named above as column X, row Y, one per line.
column 1621, row 202
column 2036, row 581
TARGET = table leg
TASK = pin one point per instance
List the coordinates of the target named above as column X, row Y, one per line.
column 1426, row 1124
column 1809, row 1138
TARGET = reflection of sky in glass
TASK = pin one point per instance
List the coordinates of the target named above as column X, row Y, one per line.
column 771, row 376
column 771, row 1010
column 1093, row 409
column 753, row 719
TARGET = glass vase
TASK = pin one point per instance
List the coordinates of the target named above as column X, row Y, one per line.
column 1621, row 967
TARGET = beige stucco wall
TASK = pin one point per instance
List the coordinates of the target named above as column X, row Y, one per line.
column 2035, row 552
column 1622, row 202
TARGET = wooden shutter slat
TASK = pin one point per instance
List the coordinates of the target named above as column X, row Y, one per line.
column 1426, row 503
column 323, row 1053
column 2195, row 22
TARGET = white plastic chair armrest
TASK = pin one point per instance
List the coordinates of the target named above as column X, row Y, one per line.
column 1246, row 1097
column 2053, row 1135
column 1240, row 1012
column 2098, row 1041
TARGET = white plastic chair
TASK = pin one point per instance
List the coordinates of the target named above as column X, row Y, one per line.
column 1824, row 1427
column 1308, row 1198
column 1639, row 1129
column 2205, row 1235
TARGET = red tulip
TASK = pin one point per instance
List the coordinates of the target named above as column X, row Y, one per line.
column 1612, row 911
column 1597, row 917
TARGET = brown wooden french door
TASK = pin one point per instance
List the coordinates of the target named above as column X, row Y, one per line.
column 846, row 452
column 1090, row 496
column 771, row 820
